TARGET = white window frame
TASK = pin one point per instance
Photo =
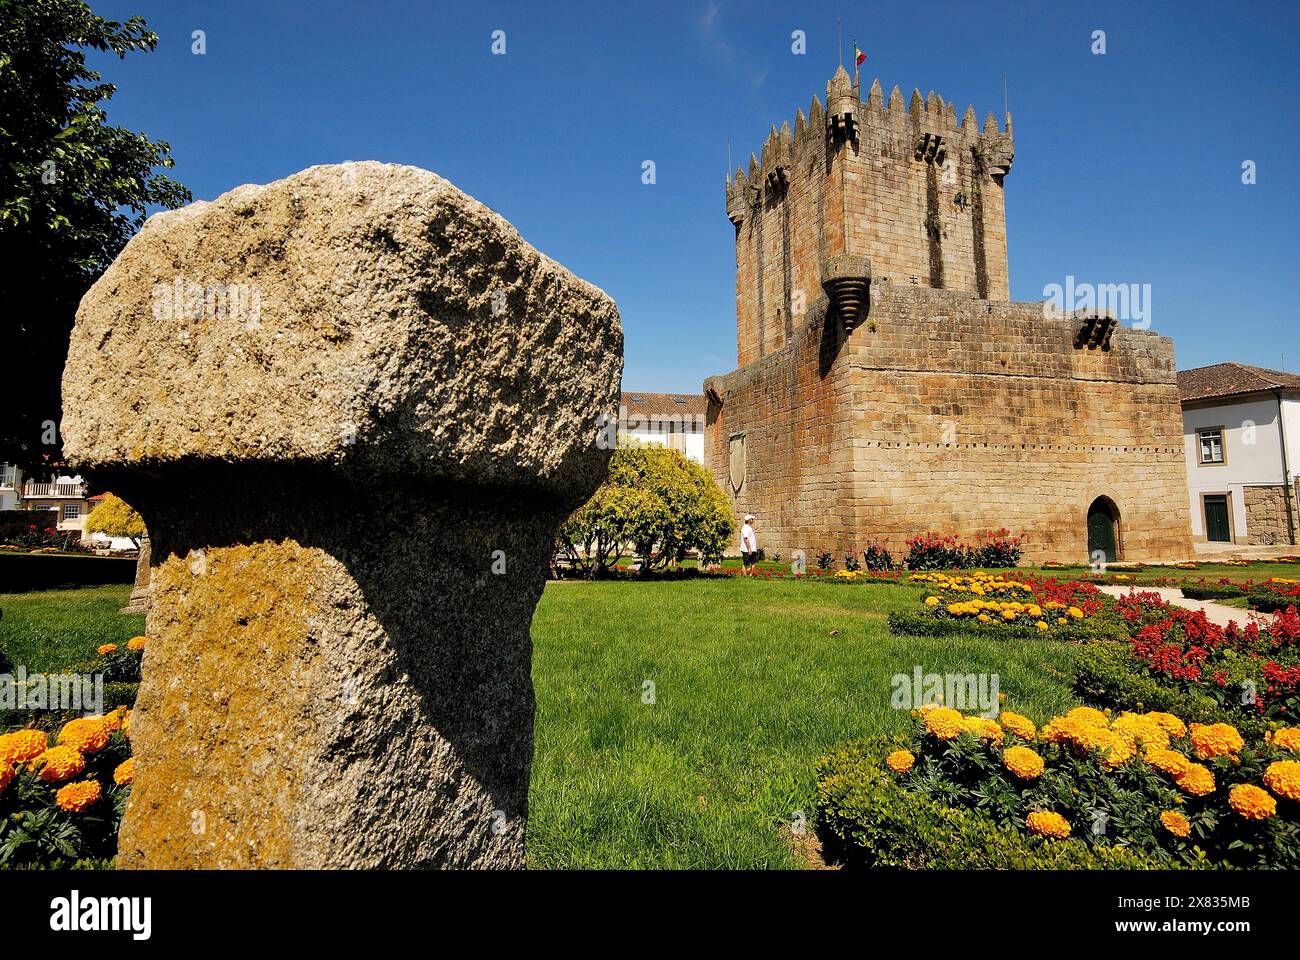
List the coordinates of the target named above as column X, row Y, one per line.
column 1201, row 458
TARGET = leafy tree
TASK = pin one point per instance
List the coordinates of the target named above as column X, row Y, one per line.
column 592, row 538
column 116, row 518
column 72, row 191
column 655, row 501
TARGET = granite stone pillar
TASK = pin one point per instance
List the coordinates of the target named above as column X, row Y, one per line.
column 139, row 601
column 353, row 407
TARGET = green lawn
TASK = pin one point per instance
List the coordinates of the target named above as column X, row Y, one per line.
column 51, row 630
column 751, row 689
column 750, row 686
column 1212, row 572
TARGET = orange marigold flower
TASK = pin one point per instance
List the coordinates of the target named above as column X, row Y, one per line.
column 1088, row 715
column 1171, row 724
column 106, row 648
column 1288, row 738
column 1195, row 780
column 1140, row 730
column 21, row 746
column 7, row 774
column 124, row 775
column 944, row 722
column 114, row 720
column 1283, row 778
column 1251, row 802
column 1022, row 727
column 85, row 734
column 58, row 764
column 76, row 797
column 1116, row 751
column 1167, row 761
column 982, row 727
column 900, row 761
column 1060, row 730
column 1215, row 740
column 126, row 724
column 1048, row 824
column 1023, row 763
column 1114, row 748
column 135, row 643
column 1175, row 823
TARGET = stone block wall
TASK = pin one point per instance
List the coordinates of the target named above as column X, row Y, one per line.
column 950, row 413
column 1267, row 521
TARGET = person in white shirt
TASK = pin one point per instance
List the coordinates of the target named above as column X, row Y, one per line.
column 748, row 545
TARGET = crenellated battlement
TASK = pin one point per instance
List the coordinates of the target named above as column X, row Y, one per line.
column 877, row 119
column 906, row 189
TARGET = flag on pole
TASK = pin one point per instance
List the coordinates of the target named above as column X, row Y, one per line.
column 858, row 56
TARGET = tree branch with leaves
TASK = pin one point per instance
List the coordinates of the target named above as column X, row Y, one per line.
column 73, row 190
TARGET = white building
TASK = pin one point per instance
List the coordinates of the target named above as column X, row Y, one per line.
column 673, row 420
column 62, row 500
column 1241, row 431
column 11, row 480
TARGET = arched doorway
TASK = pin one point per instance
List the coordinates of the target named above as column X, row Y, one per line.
column 1103, row 531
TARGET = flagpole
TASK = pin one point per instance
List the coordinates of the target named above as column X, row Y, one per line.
column 839, row 26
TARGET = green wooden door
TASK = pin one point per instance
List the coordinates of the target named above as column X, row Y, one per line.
column 1217, row 529
column 1101, row 534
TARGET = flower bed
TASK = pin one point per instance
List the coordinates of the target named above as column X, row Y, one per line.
column 61, row 799
column 1000, row 606
column 1248, row 670
column 857, row 576
column 1106, row 673
column 1275, row 595
column 1202, row 590
column 117, row 665
column 930, row 551
column 1087, row 790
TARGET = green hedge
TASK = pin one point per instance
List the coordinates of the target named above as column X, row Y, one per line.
column 1106, row 674
column 120, row 695
column 857, row 581
column 1217, row 591
column 1266, row 601
column 25, row 572
column 115, row 695
column 871, row 820
column 918, row 624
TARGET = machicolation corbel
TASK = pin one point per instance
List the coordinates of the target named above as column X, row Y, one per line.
column 1094, row 332
column 847, row 281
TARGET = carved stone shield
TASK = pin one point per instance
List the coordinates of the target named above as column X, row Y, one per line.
column 736, row 462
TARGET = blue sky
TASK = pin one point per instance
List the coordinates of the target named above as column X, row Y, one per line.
column 1128, row 165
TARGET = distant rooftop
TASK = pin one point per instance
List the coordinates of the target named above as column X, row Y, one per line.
column 1230, row 379
column 664, row 404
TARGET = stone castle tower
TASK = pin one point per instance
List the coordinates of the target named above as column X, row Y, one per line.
column 912, row 190
column 887, row 386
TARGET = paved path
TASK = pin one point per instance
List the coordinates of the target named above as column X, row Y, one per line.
column 1214, row 612
column 1214, row 552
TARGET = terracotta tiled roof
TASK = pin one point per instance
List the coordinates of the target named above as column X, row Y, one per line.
column 663, row 404
column 1230, row 379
